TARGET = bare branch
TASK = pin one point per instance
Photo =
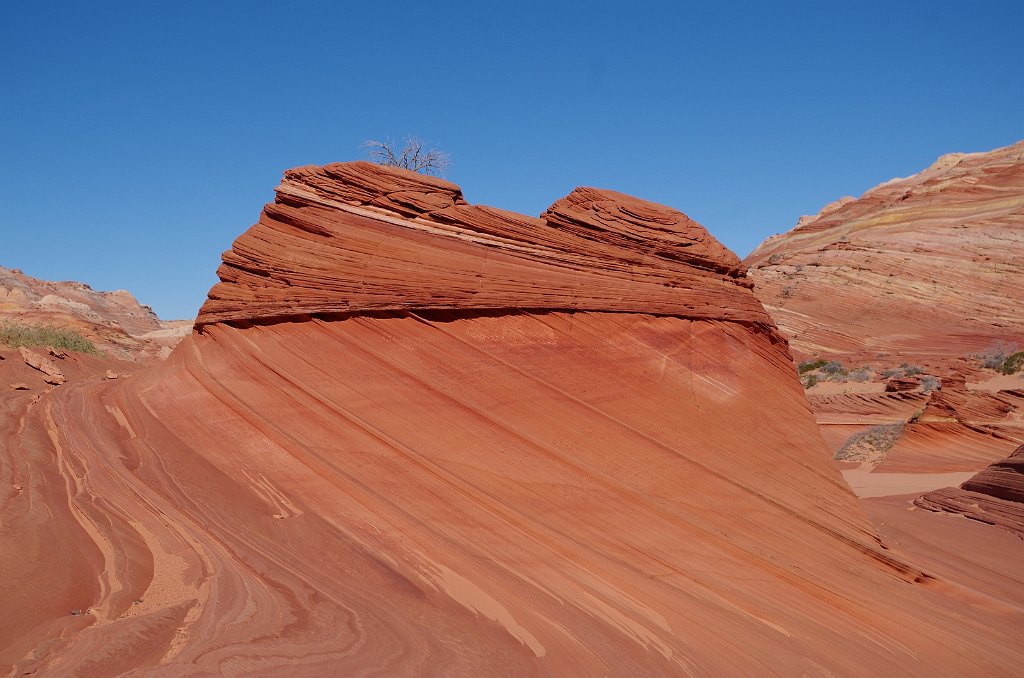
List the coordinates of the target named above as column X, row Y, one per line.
column 412, row 156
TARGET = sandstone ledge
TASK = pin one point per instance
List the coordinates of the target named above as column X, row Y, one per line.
column 357, row 237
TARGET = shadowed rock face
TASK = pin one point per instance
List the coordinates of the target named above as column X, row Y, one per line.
column 415, row 437
column 929, row 267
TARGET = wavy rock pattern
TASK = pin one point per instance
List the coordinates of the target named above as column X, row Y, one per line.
column 994, row 496
column 959, row 430
column 354, row 237
column 929, row 267
column 436, row 482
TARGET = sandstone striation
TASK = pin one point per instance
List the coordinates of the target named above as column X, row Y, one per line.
column 958, row 430
column 927, row 268
column 354, row 237
column 114, row 321
column 411, row 436
column 994, row 496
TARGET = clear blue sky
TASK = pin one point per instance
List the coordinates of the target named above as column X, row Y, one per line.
column 140, row 138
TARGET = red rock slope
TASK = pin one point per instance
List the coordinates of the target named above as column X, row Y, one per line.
column 114, row 321
column 929, row 267
column 416, row 437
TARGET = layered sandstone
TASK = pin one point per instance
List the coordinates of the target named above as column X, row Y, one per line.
column 411, row 436
column 927, row 268
column 355, row 237
column 994, row 496
column 944, row 431
column 958, row 430
column 114, row 321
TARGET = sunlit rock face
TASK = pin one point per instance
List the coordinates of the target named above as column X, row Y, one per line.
column 412, row 436
column 356, row 237
column 929, row 267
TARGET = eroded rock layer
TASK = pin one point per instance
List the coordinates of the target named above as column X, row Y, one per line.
column 355, row 237
column 929, row 267
column 994, row 496
column 958, row 430
column 382, row 484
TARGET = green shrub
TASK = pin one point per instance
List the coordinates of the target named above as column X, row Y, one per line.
column 809, row 380
column 810, row 365
column 1013, row 363
column 16, row 334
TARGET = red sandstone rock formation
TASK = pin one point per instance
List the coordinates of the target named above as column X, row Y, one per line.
column 959, row 430
column 902, row 384
column 994, row 496
column 114, row 321
column 952, row 430
column 411, row 436
column 355, row 237
column 928, row 268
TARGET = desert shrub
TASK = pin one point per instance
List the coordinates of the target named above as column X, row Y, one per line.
column 871, row 443
column 1013, row 363
column 929, row 383
column 916, row 417
column 904, row 370
column 810, row 365
column 17, row 334
column 861, row 374
column 911, row 370
column 994, row 357
column 993, row 361
column 809, row 380
column 833, row 369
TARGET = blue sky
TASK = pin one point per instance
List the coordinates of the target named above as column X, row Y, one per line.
column 138, row 139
